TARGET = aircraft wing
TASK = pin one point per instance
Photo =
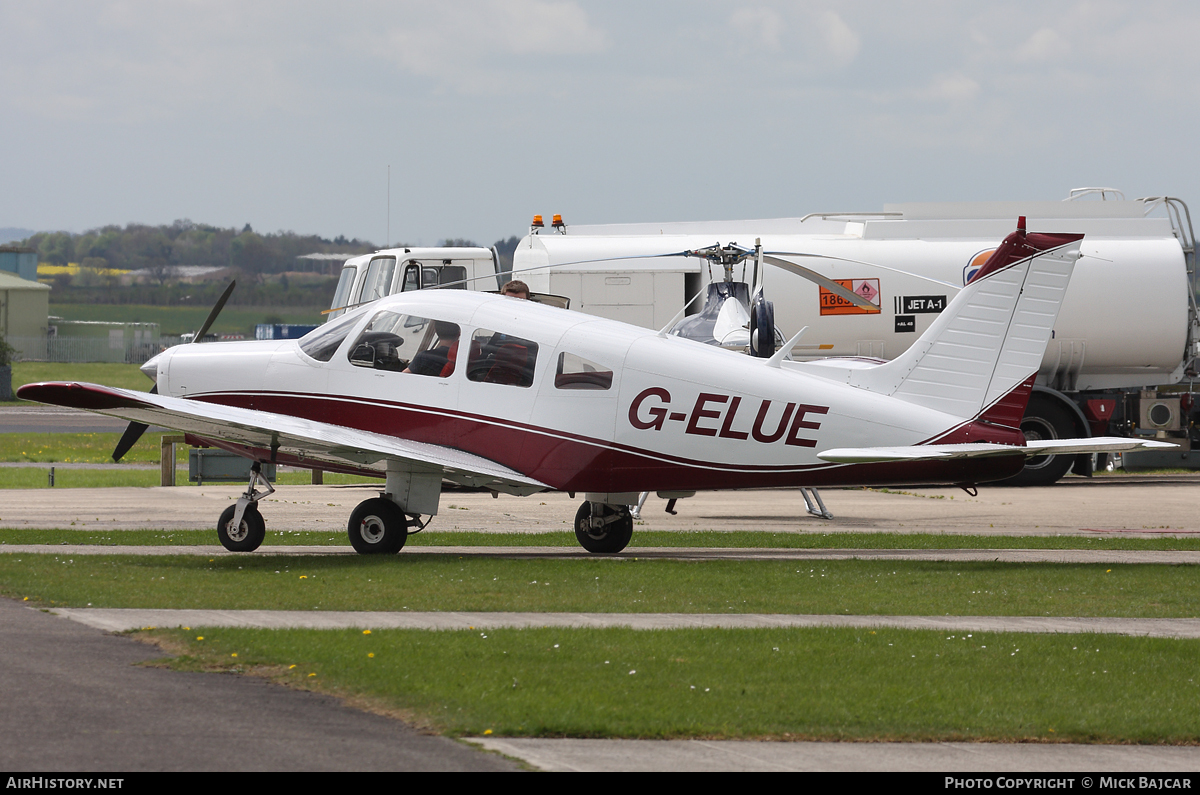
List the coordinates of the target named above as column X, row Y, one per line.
column 945, row 452
column 318, row 442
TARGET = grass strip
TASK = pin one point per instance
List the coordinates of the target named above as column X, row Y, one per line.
column 747, row 539
column 172, row 320
column 790, row 684
column 124, row 376
column 418, row 582
column 80, row 448
column 150, row 538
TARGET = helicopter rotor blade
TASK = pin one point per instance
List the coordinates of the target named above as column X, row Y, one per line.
column 818, row 279
column 864, row 262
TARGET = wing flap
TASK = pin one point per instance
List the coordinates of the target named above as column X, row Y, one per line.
column 319, row 442
column 945, row 452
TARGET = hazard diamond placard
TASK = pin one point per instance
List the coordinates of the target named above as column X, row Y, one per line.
column 866, row 289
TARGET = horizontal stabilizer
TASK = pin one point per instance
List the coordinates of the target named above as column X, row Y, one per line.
column 944, row 452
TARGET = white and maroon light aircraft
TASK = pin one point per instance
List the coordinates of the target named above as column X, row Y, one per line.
column 500, row 393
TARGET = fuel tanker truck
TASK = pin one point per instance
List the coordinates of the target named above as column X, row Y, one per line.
column 1123, row 354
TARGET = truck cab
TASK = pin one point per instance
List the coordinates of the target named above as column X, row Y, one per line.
column 372, row 276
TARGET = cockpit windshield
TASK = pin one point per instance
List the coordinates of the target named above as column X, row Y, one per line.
column 323, row 342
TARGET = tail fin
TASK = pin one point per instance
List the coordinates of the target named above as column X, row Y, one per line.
column 992, row 336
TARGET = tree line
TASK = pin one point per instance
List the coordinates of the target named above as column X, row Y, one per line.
column 184, row 242
column 261, row 262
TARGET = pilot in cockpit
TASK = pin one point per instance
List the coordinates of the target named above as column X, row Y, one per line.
column 516, row 289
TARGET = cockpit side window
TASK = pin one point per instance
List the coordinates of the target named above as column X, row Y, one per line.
column 439, row 350
column 501, row 359
column 576, row 372
column 408, row 344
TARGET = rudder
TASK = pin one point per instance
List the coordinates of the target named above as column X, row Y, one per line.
column 992, row 336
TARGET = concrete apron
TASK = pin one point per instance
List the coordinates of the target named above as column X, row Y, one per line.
column 1127, row 505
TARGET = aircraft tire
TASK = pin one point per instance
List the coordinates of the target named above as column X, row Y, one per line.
column 377, row 527
column 1044, row 419
column 762, row 329
column 249, row 534
column 613, row 538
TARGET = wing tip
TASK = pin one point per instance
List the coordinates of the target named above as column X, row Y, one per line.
column 76, row 394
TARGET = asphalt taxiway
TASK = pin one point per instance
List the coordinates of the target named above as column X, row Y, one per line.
column 78, row 699
column 55, row 419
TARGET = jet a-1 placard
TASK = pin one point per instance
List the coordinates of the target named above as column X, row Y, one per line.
column 504, row 394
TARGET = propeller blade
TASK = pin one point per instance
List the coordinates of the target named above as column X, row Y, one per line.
column 129, row 439
column 817, row 278
column 216, row 310
column 132, row 433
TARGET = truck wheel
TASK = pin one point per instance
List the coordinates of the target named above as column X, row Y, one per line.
column 1045, row 419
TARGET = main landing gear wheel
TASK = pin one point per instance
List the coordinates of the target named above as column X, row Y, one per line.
column 1044, row 419
column 249, row 533
column 607, row 531
column 378, row 527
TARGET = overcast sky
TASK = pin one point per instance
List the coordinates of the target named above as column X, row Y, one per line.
column 286, row 115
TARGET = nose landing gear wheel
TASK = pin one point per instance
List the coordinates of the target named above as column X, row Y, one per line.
column 249, row 533
column 378, row 527
column 607, row 531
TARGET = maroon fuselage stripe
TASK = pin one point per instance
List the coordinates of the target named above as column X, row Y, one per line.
column 575, row 463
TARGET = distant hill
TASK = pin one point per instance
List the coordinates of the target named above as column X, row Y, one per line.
column 12, row 234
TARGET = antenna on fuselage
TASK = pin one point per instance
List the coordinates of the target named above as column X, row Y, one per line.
column 782, row 353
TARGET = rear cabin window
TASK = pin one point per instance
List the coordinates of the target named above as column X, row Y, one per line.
column 576, row 372
column 501, row 359
column 407, row 344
